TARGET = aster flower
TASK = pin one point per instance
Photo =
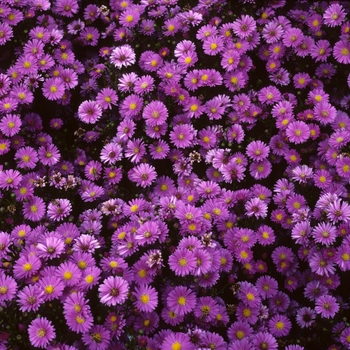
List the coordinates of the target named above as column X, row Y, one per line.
column 49, row 154
column 177, row 341
column 182, row 300
column 213, row 45
column 269, row 95
column 325, row 113
column 155, row 113
column 8, row 288
column 279, row 325
column 264, row 340
column 113, row 290
column 30, row 298
column 146, row 298
column 334, row 15
column 247, row 313
column 98, row 338
column 6, row 33
column 257, row 150
column 321, row 265
column 305, row 317
column 34, row 209
column 272, row 32
column 338, row 211
column 41, row 332
column 123, row 56
column 182, row 262
column 10, row 124
column 327, row 306
column 53, row 88
column 59, row 209
column 66, row 8
column 321, row 50
column 342, row 257
column 324, row 233
column 10, row 179
column 143, row 175
column 261, row 169
column 68, row 273
column 341, row 51
column 89, row 112
column 342, row 165
column 182, row 135
column 244, row 26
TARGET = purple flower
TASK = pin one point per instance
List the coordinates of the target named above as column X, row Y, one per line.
column 177, row 341
column 41, row 332
column 264, row 340
column 59, row 209
column 113, row 290
column 155, row 113
column 244, row 26
column 279, row 325
column 123, row 56
column 182, row 262
column 10, row 124
column 49, row 154
column 8, row 288
column 53, row 88
column 66, row 8
column 6, row 33
column 181, row 299
column 334, row 15
column 341, row 51
column 248, row 294
column 146, row 298
column 89, row 112
column 30, row 298
column 327, row 306
column 305, row 317
column 143, row 174
column 68, row 273
column 34, row 209
column 98, row 338
column 267, row 286
column 10, row 179
column 51, row 286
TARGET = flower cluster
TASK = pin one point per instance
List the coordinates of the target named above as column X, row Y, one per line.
column 174, row 175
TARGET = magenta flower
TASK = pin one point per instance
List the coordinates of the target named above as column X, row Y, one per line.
column 327, row 306
column 10, row 124
column 146, row 298
column 30, row 298
column 98, row 338
column 244, row 26
column 334, row 15
column 182, row 135
column 265, row 340
column 34, row 209
column 53, row 88
column 113, row 290
column 8, row 288
column 177, row 341
column 257, row 150
column 89, row 112
column 341, row 51
column 155, row 113
column 49, row 154
column 123, row 56
column 143, row 174
column 41, row 332
column 182, row 300
column 182, row 262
